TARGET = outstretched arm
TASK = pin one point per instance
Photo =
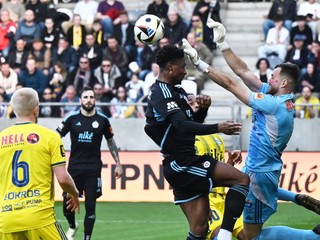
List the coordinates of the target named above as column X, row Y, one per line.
column 237, row 65
column 226, row 81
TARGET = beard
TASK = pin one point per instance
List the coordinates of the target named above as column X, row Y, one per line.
column 88, row 108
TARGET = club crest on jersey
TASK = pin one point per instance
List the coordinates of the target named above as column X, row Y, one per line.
column 258, row 96
column 206, row 164
column 172, row 105
column 33, row 138
column 95, row 124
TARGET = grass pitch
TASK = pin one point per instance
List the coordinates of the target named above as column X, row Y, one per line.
column 165, row 221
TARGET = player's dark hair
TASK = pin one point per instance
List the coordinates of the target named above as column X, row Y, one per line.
column 86, row 89
column 167, row 54
column 291, row 71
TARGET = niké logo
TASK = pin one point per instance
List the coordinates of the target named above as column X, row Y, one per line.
column 85, row 136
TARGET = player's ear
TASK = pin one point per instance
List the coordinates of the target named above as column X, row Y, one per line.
column 284, row 82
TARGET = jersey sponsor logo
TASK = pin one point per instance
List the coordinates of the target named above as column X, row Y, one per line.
column 258, row 96
column 206, row 164
column 172, row 105
column 85, row 136
column 33, row 138
column 289, row 105
column 95, row 124
column 63, row 154
column 78, row 124
column 23, row 194
column 6, row 208
column 12, row 139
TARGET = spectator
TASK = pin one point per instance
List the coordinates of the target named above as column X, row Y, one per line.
column 143, row 57
column 315, row 49
column 66, row 54
column 299, row 54
column 101, row 98
column 183, row 8
column 302, row 29
column 33, row 78
column 263, row 70
column 87, row 9
column 309, row 79
column 108, row 13
column 118, row 56
column 306, row 112
column 206, row 9
column 277, row 41
column 48, row 111
column 109, row 76
column 50, row 34
column 162, row 42
column 98, row 34
column 92, row 51
column 197, row 27
column 82, row 76
column 124, row 33
column 134, row 88
column 8, row 79
column 159, row 8
column 7, row 31
column 58, row 80
column 28, row 29
column 205, row 54
column 120, row 107
column 41, row 54
column 17, row 58
column 76, row 33
column 70, row 99
column 16, row 10
column 311, row 9
column 3, row 107
column 151, row 77
column 175, row 28
column 285, row 9
column 40, row 11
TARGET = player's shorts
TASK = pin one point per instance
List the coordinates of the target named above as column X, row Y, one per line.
column 53, row 231
column 189, row 176
column 217, row 210
column 262, row 199
column 87, row 181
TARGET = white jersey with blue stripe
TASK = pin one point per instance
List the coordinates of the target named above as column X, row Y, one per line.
column 273, row 120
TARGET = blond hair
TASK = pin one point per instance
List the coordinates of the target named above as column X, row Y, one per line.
column 24, row 101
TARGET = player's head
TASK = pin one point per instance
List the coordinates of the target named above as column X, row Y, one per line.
column 172, row 65
column 25, row 104
column 87, row 99
column 284, row 79
column 192, row 101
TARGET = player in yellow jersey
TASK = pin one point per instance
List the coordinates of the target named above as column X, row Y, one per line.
column 29, row 155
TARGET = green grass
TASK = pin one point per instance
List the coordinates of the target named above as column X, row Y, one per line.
column 165, row 221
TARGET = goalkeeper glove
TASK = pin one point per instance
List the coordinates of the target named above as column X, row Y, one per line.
column 194, row 57
column 219, row 33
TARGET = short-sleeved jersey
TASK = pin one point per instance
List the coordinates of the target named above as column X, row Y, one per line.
column 28, row 152
column 273, row 120
column 86, row 136
column 211, row 145
column 165, row 99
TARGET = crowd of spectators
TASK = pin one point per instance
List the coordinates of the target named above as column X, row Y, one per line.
column 57, row 53
column 52, row 50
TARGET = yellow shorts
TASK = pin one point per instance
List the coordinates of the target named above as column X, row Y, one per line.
column 53, row 231
column 217, row 210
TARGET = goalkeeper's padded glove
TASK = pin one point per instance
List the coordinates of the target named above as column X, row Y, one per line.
column 219, row 33
column 193, row 56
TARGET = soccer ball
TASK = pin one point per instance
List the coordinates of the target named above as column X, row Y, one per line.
column 148, row 29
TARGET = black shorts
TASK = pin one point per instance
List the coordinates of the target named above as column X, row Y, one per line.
column 189, row 176
column 88, row 182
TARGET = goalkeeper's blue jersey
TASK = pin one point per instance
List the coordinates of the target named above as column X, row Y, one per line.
column 272, row 118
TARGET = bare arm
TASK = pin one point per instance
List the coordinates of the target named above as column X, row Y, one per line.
column 115, row 154
column 240, row 68
column 67, row 185
column 226, row 81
